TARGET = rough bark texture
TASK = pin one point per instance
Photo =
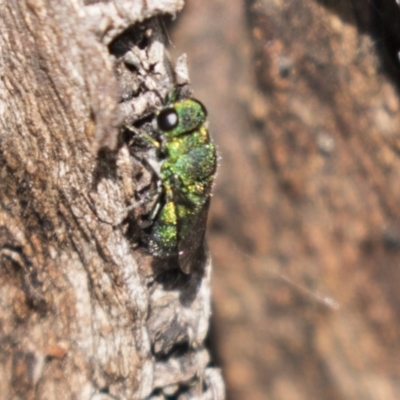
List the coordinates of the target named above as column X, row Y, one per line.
column 85, row 312
column 303, row 98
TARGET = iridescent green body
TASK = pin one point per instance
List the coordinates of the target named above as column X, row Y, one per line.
column 186, row 175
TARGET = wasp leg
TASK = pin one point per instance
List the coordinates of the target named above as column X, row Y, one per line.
column 150, row 140
column 163, row 240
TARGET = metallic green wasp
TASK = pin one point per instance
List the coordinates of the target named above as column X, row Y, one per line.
column 186, row 177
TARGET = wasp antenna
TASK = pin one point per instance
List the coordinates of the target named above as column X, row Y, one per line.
column 162, row 23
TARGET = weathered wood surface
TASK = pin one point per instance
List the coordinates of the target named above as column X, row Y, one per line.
column 83, row 312
column 303, row 98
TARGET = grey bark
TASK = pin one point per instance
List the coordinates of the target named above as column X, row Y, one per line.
column 85, row 312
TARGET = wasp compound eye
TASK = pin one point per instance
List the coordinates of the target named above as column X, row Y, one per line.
column 167, row 119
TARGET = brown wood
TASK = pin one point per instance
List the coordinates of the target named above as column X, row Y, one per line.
column 304, row 104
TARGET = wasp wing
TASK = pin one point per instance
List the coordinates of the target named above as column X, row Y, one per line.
column 191, row 231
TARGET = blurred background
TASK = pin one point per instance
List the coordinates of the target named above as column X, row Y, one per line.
column 304, row 228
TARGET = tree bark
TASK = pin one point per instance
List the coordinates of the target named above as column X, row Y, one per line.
column 85, row 311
